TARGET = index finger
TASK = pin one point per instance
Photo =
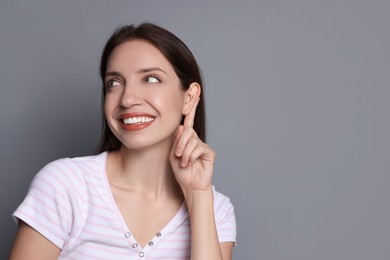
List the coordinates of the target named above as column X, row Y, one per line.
column 189, row 119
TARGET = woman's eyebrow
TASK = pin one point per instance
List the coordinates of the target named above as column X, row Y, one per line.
column 146, row 70
column 113, row 73
column 140, row 71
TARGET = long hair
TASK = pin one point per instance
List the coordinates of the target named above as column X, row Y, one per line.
column 175, row 51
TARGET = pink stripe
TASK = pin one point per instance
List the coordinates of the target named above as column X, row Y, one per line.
column 104, row 225
column 168, row 258
column 177, row 240
column 224, row 229
column 84, row 254
column 102, row 235
column 76, row 189
column 102, row 231
column 183, row 233
column 49, row 198
column 171, row 249
column 65, row 187
column 67, row 257
column 81, row 184
column 106, row 250
column 25, row 211
column 79, row 196
column 218, row 205
column 66, row 166
column 91, row 184
column 42, row 212
column 40, row 226
column 94, row 214
column 92, row 167
column 102, row 207
column 48, row 183
column 93, row 172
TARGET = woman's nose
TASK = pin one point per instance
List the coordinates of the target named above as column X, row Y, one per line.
column 130, row 96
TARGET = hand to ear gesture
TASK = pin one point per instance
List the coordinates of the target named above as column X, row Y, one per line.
column 191, row 159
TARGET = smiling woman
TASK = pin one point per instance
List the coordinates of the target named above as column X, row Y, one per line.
column 174, row 51
column 145, row 86
column 148, row 192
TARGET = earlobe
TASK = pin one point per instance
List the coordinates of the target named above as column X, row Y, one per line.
column 191, row 95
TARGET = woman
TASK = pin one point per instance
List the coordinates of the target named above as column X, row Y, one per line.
column 148, row 192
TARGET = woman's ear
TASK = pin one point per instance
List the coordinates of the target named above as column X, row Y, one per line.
column 190, row 97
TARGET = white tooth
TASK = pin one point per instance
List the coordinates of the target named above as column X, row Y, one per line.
column 137, row 120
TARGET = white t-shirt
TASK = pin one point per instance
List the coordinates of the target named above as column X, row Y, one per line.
column 71, row 204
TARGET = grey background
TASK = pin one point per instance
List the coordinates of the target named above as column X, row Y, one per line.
column 297, row 105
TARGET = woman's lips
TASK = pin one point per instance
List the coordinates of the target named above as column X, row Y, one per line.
column 136, row 121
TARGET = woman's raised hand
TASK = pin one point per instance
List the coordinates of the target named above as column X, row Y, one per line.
column 191, row 159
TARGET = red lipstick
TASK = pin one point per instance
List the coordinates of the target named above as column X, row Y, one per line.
column 136, row 121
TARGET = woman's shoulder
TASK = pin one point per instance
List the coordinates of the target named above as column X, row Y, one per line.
column 221, row 200
column 72, row 169
column 80, row 161
column 58, row 196
column 71, row 164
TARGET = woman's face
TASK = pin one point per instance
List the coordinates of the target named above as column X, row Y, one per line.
column 144, row 100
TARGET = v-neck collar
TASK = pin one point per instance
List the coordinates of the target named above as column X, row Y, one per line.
column 180, row 216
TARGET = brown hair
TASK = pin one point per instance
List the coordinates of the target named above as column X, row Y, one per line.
column 174, row 50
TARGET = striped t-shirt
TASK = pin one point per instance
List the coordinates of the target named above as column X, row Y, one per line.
column 71, row 204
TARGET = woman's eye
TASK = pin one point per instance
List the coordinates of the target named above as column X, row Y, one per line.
column 112, row 83
column 151, row 79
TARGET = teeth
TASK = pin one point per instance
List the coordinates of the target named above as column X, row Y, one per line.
column 137, row 120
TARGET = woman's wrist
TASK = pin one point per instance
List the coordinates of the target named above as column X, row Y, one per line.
column 198, row 198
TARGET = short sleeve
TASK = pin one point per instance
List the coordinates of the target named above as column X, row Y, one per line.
column 48, row 206
column 225, row 219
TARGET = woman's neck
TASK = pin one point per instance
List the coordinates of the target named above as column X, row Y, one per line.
column 147, row 171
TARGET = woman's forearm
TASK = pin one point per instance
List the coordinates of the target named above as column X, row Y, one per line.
column 204, row 237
